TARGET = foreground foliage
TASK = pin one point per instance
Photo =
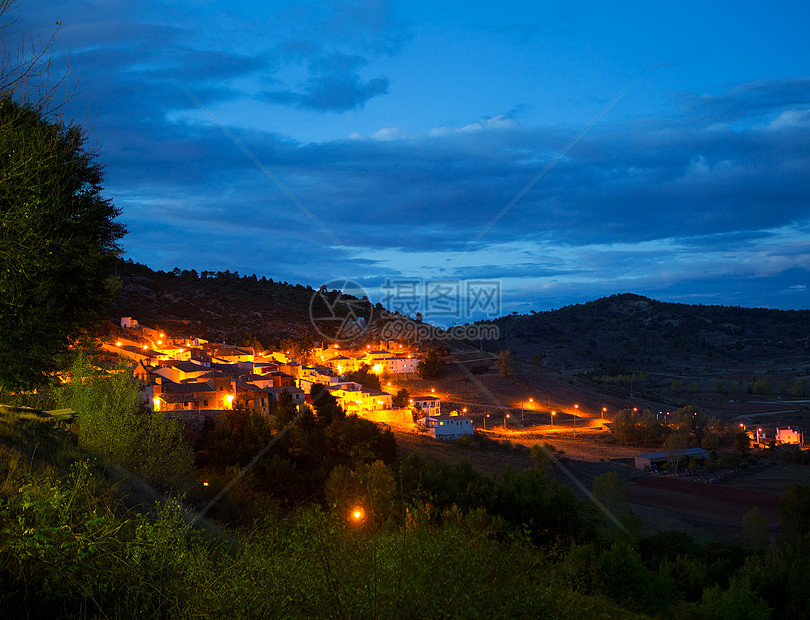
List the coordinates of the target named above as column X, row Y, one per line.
column 58, row 243
column 431, row 540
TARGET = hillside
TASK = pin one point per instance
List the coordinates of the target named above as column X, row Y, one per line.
column 214, row 305
column 629, row 333
column 614, row 335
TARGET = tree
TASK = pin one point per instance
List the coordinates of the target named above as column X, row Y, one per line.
column 430, row 366
column 611, row 492
column 400, row 401
column 325, row 403
column 755, row 526
column 794, row 514
column 504, row 362
column 114, row 425
column 365, row 376
column 25, row 72
column 58, row 243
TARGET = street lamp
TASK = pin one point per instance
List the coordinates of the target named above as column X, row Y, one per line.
column 485, row 421
column 604, row 409
column 506, row 417
column 553, row 413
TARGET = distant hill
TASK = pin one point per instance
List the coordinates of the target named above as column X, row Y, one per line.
column 626, row 333
column 613, row 335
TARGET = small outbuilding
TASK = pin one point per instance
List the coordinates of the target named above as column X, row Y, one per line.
column 645, row 462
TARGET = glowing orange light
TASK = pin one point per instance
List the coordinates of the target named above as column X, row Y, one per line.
column 118, row 344
column 144, row 347
column 205, row 484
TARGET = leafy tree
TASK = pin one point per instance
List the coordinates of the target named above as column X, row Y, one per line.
column 760, row 386
column 675, row 444
column 299, row 349
column 756, row 528
column 504, row 363
column 401, row 399
column 742, row 442
column 326, row 405
column 794, row 514
column 677, row 386
column 430, row 366
column 611, row 492
column 370, row 487
column 113, row 425
column 798, row 388
column 58, row 242
column 690, row 420
column 365, row 377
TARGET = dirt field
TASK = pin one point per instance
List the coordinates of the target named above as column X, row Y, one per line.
column 707, row 511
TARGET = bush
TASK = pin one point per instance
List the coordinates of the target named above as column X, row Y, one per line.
column 114, row 425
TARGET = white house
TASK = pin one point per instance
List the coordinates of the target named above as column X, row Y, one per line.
column 447, row 426
column 430, row 405
column 789, row 435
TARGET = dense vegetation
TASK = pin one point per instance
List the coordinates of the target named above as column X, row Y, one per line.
column 58, row 242
column 82, row 537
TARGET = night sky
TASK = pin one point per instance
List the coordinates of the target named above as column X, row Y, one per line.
column 400, row 131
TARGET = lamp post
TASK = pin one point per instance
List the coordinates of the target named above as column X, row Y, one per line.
column 506, row 417
column 553, row 413
column 603, row 414
column 485, row 421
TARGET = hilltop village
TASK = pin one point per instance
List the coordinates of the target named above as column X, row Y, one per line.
column 190, row 375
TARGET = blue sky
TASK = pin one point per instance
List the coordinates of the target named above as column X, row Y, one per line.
column 405, row 128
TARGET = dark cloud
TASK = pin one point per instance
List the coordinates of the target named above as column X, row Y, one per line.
column 672, row 177
column 716, row 174
column 332, row 93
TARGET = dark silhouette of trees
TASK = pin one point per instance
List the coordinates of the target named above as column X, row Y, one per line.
column 365, row 377
column 430, row 366
column 58, row 243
